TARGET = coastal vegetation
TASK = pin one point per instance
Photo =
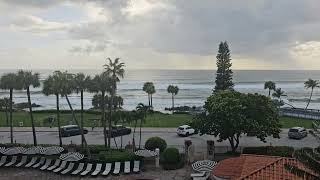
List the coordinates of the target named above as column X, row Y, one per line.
column 224, row 72
column 115, row 71
column 25, row 80
column 311, row 84
column 229, row 114
column 9, row 82
column 150, row 89
column 81, row 84
column 173, row 90
column 271, row 86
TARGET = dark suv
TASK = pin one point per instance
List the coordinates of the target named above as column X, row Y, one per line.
column 71, row 130
column 119, row 130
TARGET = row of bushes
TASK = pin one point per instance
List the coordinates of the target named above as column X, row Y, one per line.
column 118, row 155
column 170, row 158
column 283, row 151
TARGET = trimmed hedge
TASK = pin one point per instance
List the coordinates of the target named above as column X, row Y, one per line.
column 171, row 155
column 155, row 142
column 117, row 156
column 171, row 159
column 283, row 151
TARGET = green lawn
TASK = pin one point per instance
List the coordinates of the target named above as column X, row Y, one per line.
column 288, row 122
column 154, row 120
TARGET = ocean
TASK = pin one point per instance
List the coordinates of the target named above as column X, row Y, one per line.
column 195, row 86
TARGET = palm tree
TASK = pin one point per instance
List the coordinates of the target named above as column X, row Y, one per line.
column 27, row 79
column 174, row 91
column 101, row 84
column 149, row 88
column 310, row 158
column 67, row 87
column 278, row 93
column 118, row 102
column 142, row 115
column 52, row 86
column 133, row 116
column 81, row 84
column 9, row 82
column 270, row 85
column 311, row 84
column 115, row 69
column 4, row 103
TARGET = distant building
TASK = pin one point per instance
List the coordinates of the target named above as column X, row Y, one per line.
column 251, row 167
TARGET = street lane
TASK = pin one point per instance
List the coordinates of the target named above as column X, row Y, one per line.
column 171, row 138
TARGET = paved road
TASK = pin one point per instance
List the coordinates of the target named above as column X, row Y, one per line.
column 96, row 137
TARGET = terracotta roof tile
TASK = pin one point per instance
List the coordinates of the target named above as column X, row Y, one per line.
column 239, row 166
column 250, row 167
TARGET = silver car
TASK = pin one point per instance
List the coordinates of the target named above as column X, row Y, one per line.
column 297, row 133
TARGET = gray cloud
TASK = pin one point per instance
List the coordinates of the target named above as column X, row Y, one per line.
column 262, row 30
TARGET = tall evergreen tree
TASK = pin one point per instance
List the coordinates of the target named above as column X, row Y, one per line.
column 224, row 72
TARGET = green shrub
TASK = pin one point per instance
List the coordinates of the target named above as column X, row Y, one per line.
column 171, row 156
column 262, row 150
column 283, row 151
column 117, row 156
column 156, row 142
column 171, row 159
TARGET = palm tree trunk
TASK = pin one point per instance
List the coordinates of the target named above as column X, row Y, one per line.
column 121, row 140
column 81, row 130
column 109, row 122
column 103, row 119
column 81, row 116
column 269, row 92
column 133, row 134
column 140, row 134
column 309, row 98
column 58, row 119
column 32, row 120
column 151, row 102
column 7, row 116
column 172, row 104
column 11, row 124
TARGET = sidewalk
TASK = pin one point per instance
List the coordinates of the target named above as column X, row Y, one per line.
column 97, row 129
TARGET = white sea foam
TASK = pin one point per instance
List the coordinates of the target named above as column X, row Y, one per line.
column 195, row 86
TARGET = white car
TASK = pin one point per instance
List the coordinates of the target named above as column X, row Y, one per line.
column 185, row 130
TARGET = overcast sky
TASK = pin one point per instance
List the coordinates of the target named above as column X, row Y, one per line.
column 159, row 34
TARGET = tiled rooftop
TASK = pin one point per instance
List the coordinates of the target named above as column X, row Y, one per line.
column 247, row 167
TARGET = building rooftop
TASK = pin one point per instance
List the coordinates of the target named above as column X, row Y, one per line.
column 248, row 166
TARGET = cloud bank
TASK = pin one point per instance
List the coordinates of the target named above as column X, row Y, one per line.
column 262, row 34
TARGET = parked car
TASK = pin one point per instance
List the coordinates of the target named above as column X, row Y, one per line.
column 119, row 130
column 185, row 130
column 297, row 133
column 71, row 130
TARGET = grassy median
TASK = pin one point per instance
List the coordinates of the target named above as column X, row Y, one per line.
column 153, row 120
